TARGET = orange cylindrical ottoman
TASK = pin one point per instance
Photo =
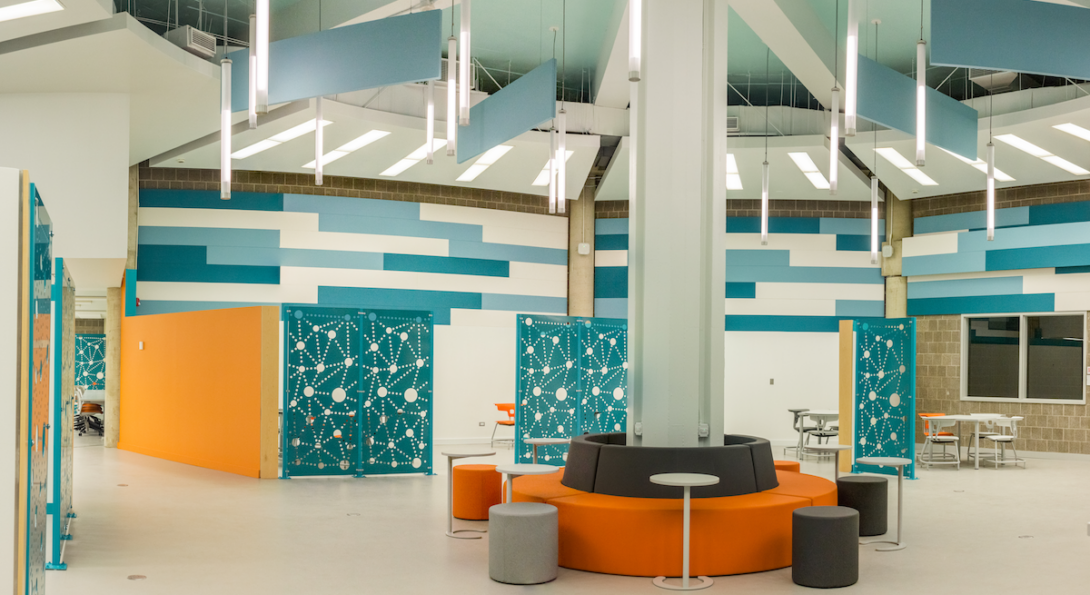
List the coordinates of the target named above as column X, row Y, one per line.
column 476, row 488
column 788, row 466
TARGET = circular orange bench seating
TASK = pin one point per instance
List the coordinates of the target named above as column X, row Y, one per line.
column 642, row 536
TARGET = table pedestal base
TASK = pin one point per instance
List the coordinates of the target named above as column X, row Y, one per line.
column 896, row 546
column 452, row 534
column 703, row 582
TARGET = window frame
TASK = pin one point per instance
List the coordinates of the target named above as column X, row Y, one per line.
column 1023, row 359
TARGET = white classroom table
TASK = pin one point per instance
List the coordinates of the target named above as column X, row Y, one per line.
column 974, row 419
column 820, row 416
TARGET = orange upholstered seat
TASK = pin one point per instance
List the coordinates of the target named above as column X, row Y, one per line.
column 788, row 466
column 927, row 426
column 642, row 536
column 476, row 488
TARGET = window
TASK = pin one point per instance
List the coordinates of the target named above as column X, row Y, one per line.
column 1038, row 357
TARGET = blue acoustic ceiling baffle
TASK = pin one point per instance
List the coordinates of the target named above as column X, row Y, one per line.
column 888, row 97
column 380, row 53
column 1013, row 35
column 515, row 109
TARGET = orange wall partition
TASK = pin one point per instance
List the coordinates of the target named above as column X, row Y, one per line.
column 202, row 389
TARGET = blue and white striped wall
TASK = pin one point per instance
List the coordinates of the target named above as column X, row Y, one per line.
column 471, row 266
column 1038, row 262
column 813, row 273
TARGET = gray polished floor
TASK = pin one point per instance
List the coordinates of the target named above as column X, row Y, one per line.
column 190, row 530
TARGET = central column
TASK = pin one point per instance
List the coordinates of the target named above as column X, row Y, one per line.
column 677, row 224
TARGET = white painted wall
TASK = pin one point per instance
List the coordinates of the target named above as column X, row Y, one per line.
column 805, row 369
column 76, row 147
column 474, row 370
column 9, row 345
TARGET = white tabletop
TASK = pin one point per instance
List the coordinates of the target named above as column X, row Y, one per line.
column 814, row 412
column 975, row 417
column 527, row 469
column 546, row 441
column 828, row 447
column 884, row 461
column 684, row 479
column 462, row 455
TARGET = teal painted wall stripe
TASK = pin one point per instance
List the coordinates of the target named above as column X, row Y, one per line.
column 742, row 290
column 1011, row 35
column 149, row 307
column 834, row 226
column 380, row 53
column 440, row 264
column 889, row 98
column 987, row 304
column 1038, row 258
column 610, row 307
column 775, row 225
column 439, row 302
column 524, row 303
column 784, row 324
column 210, row 199
column 938, row 264
column 964, row 287
column 610, row 282
column 508, row 252
column 209, row 236
column 1059, row 213
column 611, row 242
column 130, row 292
column 1072, row 270
column 853, row 243
column 860, row 308
column 771, row 274
column 400, row 227
column 1025, row 237
column 294, row 257
column 758, row 258
column 611, row 226
column 511, row 111
column 974, row 220
column 340, row 205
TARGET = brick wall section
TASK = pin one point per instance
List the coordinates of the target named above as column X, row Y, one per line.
column 90, row 326
column 252, row 181
column 1046, row 428
column 845, row 209
column 1022, row 196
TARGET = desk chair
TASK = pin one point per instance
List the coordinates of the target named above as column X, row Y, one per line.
column 509, row 409
column 936, row 434
column 795, row 426
column 1008, row 431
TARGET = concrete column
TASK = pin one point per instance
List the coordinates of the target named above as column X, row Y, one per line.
column 580, row 266
column 115, row 309
column 898, row 227
column 677, row 222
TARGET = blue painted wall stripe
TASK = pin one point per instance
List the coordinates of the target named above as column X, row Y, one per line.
column 853, row 243
column 964, row 287
column 1059, row 213
column 1025, row 237
column 860, row 308
column 1072, row 270
column 610, row 307
column 742, row 290
column 775, row 225
column 152, row 254
column 1034, row 302
column 511, row 111
column 833, row 226
column 439, row 302
column 610, row 282
column 784, row 324
column 295, row 257
column 974, row 220
column 938, row 264
column 209, row 236
column 206, row 273
column 770, row 274
column 758, row 258
column 611, row 242
column 342, row 205
column 508, row 252
column 441, row 264
column 524, row 303
column 399, row 227
column 210, row 199
column 611, row 226
column 1037, row 258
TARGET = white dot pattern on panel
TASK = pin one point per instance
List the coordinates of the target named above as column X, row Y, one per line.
column 885, row 377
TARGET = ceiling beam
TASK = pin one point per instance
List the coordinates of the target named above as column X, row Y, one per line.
column 612, row 88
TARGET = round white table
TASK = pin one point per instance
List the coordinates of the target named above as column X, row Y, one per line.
column 831, row 448
column 536, row 442
column 451, row 456
column 899, row 463
column 975, row 419
column 518, row 469
column 687, row 481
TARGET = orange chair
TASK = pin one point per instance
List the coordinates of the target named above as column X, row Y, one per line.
column 476, row 488
column 509, row 409
column 927, row 426
column 788, row 466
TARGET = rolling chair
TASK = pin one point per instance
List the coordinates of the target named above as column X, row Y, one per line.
column 509, row 409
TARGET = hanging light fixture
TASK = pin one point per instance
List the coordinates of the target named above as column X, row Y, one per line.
column 252, row 71
column 834, row 113
column 635, row 32
column 991, row 170
column 225, row 129
column 452, row 95
column 874, row 175
column 319, row 142
column 552, row 171
column 764, row 166
column 921, row 94
column 559, row 155
column 464, row 65
column 851, row 63
column 429, row 96
column 261, row 8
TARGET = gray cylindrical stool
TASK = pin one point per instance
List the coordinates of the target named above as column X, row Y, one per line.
column 825, row 546
column 522, row 543
column 870, row 496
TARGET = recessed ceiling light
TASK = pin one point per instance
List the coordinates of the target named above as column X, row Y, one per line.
column 490, row 156
column 277, row 139
column 29, row 9
column 734, row 181
column 542, row 178
column 415, row 157
column 1075, row 130
column 982, row 166
column 1032, row 149
column 890, row 154
column 809, row 168
column 353, row 145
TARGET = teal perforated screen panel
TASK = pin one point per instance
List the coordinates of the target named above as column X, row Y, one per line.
column 885, row 392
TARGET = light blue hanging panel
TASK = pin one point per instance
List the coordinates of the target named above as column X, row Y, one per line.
column 321, row 368
column 547, row 385
column 885, row 392
column 396, row 392
column 603, row 362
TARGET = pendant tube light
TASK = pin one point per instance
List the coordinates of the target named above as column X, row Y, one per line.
column 225, row 129
column 635, row 34
column 252, row 87
column 764, row 203
column 261, row 36
column 319, row 142
column 921, row 101
column 429, row 92
column 552, row 171
column 874, row 220
column 464, row 64
column 851, row 63
column 560, row 157
column 834, row 142
column 452, row 95
column 991, row 191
